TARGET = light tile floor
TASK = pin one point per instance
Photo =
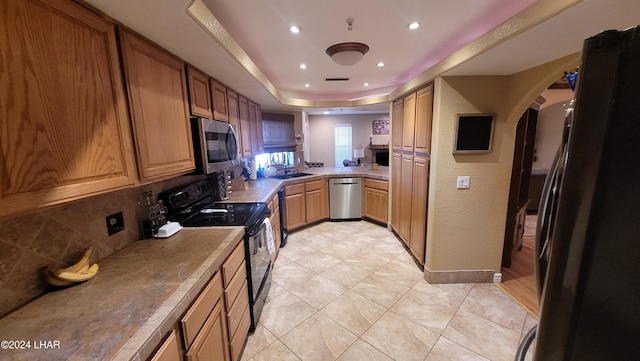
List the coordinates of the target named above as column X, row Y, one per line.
column 350, row 291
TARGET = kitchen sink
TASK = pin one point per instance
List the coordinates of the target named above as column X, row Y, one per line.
column 292, row 175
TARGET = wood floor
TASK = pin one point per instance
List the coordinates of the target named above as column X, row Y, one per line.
column 519, row 281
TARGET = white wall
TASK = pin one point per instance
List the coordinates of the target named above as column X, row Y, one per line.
column 321, row 135
column 550, row 122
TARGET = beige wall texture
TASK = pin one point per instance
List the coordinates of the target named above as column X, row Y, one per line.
column 321, row 144
column 465, row 228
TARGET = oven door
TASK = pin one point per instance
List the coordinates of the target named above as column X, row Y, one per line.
column 259, row 258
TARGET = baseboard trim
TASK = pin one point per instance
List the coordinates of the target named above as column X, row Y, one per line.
column 459, row 276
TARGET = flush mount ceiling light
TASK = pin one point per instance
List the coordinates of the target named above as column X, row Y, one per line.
column 347, row 54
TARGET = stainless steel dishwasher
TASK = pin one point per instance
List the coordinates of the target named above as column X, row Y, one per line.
column 345, row 198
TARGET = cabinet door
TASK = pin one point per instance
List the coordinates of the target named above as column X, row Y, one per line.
column 295, row 211
column 65, row 128
column 199, row 93
column 170, row 350
column 234, row 117
column 317, row 200
column 375, row 204
column 219, row 100
column 396, row 186
column 245, row 126
column 406, row 183
column 211, row 343
column 419, row 198
column 408, row 124
column 255, row 127
column 160, row 117
column 396, row 126
column 424, row 113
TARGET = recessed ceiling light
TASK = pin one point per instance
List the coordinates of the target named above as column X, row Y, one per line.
column 306, row 85
column 414, row 25
column 294, row 29
column 380, row 64
column 366, row 84
column 303, row 66
column 325, row 112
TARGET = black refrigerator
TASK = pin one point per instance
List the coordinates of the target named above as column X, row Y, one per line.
column 588, row 244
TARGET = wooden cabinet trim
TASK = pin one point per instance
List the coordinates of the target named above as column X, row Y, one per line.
column 294, row 189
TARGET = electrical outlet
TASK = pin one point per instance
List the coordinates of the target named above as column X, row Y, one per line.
column 115, row 223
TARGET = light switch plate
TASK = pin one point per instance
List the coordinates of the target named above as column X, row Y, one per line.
column 463, row 182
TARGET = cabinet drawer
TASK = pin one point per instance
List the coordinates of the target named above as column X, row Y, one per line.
column 196, row 316
column 237, row 309
column 314, row 185
column 241, row 335
column 376, row 184
column 294, row 189
column 233, row 289
column 231, row 265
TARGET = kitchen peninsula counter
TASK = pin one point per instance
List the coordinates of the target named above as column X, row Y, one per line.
column 263, row 189
column 123, row 313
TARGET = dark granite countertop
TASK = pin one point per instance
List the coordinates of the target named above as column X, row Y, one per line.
column 124, row 312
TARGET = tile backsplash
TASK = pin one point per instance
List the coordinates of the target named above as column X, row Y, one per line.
column 57, row 236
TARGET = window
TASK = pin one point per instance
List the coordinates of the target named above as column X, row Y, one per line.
column 342, row 143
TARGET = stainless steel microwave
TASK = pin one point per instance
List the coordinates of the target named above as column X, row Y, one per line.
column 215, row 145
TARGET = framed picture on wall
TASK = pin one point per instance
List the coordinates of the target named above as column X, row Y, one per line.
column 380, row 127
column 474, row 133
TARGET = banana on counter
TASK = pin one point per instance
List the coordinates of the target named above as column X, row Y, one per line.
column 77, row 273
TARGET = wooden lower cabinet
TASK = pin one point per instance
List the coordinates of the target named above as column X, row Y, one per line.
column 296, row 209
column 317, row 200
column 307, row 203
column 419, row 196
column 406, row 184
column 170, row 349
column 396, row 188
column 204, row 327
column 236, row 296
column 211, row 342
column 216, row 326
column 376, row 200
column 274, row 206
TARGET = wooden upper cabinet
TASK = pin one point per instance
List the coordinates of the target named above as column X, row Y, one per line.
column 396, row 127
column 160, row 117
column 199, row 93
column 245, row 127
column 65, row 129
column 234, row 117
column 219, row 100
column 424, row 113
column 408, row 124
column 255, row 128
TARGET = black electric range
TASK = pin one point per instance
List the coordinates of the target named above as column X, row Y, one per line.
column 194, row 205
